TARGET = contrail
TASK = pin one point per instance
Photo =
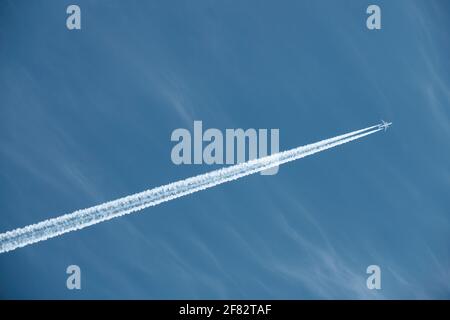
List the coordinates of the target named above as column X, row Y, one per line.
column 82, row 218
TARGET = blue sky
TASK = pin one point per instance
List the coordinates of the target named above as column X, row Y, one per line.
column 86, row 116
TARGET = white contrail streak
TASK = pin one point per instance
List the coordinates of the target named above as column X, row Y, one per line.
column 82, row 218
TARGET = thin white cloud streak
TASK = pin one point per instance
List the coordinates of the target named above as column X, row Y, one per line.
column 86, row 217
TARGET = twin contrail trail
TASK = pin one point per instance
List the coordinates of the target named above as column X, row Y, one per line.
column 86, row 217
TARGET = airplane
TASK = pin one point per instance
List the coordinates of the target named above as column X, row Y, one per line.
column 384, row 125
